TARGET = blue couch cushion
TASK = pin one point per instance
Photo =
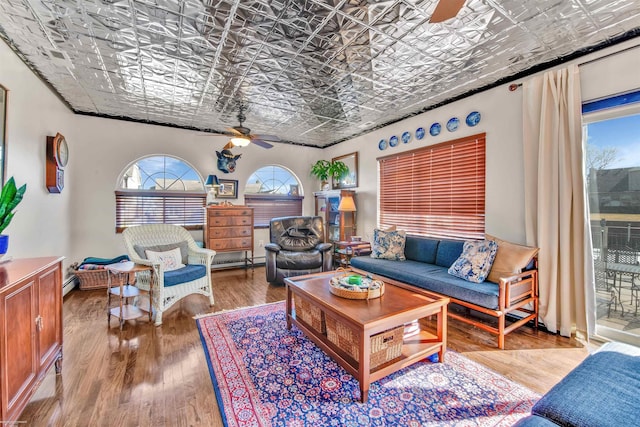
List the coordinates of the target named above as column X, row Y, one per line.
column 602, row 391
column 534, row 421
column 431, row 278
column 421, row 249
column 448, row 252
column 185, row 274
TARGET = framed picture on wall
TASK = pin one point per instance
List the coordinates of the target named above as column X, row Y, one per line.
column 228, row 189
column 351, row 179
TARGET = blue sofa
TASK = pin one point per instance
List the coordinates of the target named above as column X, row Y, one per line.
column 603, row 391
column 425, row 267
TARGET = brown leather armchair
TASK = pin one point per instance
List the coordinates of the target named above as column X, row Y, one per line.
column 297, row 247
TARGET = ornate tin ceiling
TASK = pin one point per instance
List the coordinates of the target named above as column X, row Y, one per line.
column 312, row 72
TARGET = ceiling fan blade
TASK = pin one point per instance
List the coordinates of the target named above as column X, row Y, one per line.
column 261, row 143
column 446, row 9
column 229, row 146
column 268, row 138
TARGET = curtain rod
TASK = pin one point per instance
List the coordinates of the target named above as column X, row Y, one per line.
column 580, row 64
column 515, row 86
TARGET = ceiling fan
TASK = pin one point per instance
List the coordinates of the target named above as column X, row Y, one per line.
column 446, row 9
column 241, row 136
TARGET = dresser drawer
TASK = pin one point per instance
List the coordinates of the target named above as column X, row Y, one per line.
column 221, row 232
column 237, row 244
column 229, row 212
column 226, row 221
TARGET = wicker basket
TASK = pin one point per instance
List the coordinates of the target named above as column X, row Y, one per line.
column 99, row 279
column 338, row 284
column 310, row 314
column 385, row 346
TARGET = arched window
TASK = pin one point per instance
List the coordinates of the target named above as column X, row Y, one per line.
column 273, row 191
column 160, row 190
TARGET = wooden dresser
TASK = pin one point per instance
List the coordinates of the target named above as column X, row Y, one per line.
column 30, row 328
column 230, row 229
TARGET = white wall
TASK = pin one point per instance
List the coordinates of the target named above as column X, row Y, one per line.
column 501, row 117
column 104, row 148
column 42, row 221
column 80, row 222
column 502, row 121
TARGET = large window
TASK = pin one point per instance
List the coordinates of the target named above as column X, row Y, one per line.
column 273, row 191
column 436, row 191
column 612, row 167
column 160, row 190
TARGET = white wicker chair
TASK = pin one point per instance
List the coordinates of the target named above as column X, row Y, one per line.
column 165, row 234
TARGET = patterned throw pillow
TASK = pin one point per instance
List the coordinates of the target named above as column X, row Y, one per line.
column 388, row 244
column 475, row 261
column 170, row 260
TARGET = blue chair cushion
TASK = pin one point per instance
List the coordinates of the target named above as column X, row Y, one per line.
column 421, row 249
column 448, row 252
column 185, row 274
column 602, row 391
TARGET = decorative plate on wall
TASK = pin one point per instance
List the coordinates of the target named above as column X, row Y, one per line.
column 382, row 145
column 393, row 141
column 435, row 129
column 473, row 118
column 453, row 124
column 420, row 133
column 406, row 137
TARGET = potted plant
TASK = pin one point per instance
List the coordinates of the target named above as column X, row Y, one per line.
column 9, row 199
column 323, row 169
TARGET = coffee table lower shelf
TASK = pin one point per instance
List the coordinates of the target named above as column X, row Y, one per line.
column 414, row 349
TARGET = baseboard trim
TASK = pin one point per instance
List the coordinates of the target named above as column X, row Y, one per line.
column 68, row 285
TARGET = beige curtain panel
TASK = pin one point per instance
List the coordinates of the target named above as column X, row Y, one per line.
column 556, row 213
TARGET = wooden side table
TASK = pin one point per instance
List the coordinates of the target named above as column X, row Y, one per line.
column 125, row 291
column 346, row 250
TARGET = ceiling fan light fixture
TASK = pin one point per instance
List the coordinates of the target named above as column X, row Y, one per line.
column 240, row 141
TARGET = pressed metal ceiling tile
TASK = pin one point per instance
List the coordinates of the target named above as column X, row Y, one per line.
column 311, row 71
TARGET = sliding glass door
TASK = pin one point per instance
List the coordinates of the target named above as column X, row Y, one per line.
column 612, row 132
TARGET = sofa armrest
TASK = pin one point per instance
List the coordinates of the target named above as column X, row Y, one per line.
column 323, row 247
column 272, row 247
column 271, row 252
column 518, row 287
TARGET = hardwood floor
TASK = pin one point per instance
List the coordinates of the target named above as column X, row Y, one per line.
column 158, row 376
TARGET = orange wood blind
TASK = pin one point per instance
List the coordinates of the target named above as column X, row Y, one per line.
column 266, row 207
column 436, row 191
column 159, row 207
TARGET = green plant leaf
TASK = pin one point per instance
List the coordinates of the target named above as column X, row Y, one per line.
column 5, row 222
column 18, row 198
column 10, row 197
column 8, row 192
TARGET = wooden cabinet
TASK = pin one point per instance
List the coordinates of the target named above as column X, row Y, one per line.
column 30, row 327
column 230, row 229
column 339, row 226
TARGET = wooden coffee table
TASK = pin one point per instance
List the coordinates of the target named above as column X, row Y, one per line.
column 368, row 318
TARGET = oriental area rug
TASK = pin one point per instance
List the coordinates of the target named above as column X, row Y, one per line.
column 266, row 375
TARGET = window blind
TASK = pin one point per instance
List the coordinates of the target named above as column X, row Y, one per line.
column 266, row 207
column 159, row 207
column 436, row 191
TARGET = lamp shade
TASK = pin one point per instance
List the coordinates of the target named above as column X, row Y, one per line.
column 212, row 180
column 347, row 204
